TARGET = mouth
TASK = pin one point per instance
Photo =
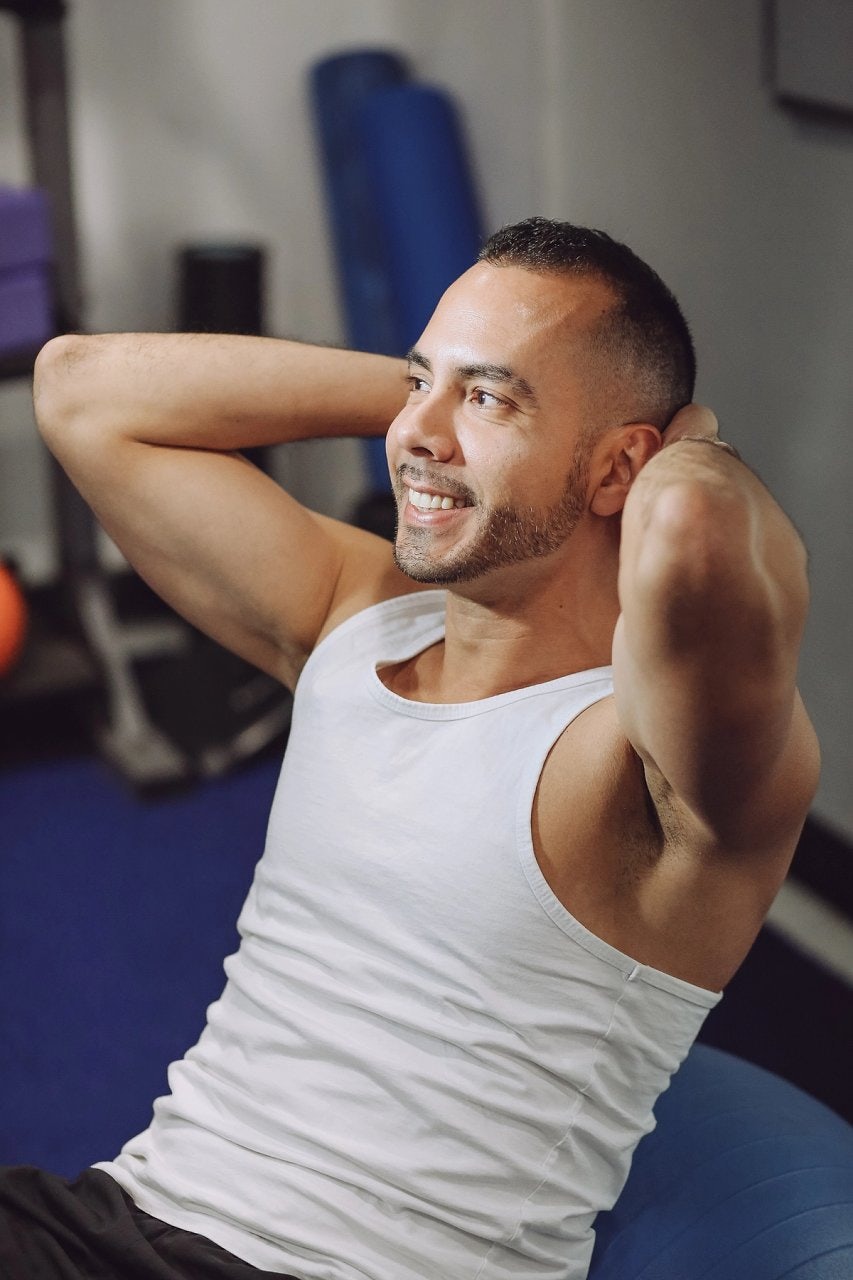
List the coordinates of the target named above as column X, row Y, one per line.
column 431, row 500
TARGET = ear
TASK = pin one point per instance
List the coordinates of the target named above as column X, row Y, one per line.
column 617, row 461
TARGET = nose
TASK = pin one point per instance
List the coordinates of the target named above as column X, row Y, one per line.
column 425, row 428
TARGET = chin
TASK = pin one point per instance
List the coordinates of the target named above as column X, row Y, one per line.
column 419, row 570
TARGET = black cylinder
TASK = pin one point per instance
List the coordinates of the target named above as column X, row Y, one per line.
column 221, row 288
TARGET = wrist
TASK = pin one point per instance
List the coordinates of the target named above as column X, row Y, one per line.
column 711, row 440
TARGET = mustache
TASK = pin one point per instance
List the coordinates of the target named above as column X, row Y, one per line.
column 408, row 474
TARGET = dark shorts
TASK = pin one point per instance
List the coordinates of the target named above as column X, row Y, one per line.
column 52, row 1228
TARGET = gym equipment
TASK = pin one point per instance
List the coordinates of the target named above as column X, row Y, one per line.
column 221, row 288
column 425, row 199
column 13, row 620
column 129, row 737
column 338, row 87
column 745, row 1177
column 101, row 644
column 26, row 253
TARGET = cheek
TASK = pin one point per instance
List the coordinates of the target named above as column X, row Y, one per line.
column 392, row 446
column 504, row 476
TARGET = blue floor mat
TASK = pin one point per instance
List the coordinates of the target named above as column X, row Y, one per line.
column 115, row 916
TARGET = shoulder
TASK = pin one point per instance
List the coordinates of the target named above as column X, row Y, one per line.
column 367, row 574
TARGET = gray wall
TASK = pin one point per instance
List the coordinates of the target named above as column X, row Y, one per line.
column 653, row 119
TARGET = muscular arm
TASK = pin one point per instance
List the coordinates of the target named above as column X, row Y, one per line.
column 149, row 428
column 713, row 596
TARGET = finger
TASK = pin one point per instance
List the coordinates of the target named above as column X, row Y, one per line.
column 692, row 420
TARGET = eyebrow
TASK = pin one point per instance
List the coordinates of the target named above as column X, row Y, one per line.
column 494, row 373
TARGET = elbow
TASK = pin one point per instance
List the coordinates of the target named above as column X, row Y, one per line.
column 62, row 371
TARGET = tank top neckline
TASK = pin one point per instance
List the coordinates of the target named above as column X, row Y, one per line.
column 428, row 608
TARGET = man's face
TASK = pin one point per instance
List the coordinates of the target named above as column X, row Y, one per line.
column 489, row 457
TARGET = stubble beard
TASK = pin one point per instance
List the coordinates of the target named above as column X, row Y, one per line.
column 507, row 535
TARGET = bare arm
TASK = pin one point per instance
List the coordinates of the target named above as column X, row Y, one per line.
column 148, row 427
column 713, row 596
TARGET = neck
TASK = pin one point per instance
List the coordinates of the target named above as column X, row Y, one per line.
column 524, row 624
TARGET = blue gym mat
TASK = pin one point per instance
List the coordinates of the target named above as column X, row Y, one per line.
column 115, row 916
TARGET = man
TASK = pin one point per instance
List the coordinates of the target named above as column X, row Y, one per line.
column 527, row 827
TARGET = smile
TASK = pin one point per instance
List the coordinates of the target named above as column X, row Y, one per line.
column 434, row 501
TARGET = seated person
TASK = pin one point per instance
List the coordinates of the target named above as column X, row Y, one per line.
column 547, row 770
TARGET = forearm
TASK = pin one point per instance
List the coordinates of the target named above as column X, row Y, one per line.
column 210, row 391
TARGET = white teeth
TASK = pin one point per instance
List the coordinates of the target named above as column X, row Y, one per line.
column 433, row 501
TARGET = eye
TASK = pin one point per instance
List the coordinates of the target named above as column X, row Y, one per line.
column 488, row 399
column 416, row 383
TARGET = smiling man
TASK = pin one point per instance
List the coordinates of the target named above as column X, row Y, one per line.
column 547, row 770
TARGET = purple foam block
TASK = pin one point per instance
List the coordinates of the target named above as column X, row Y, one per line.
column 25, row 236
column 26, row 309
column 26, row 252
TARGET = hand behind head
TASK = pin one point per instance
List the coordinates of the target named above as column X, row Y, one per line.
column 692, row 420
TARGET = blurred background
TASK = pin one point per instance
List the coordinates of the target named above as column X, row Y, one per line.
column 714, row 136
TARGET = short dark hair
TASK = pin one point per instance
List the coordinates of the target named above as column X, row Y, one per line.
column 644, row 334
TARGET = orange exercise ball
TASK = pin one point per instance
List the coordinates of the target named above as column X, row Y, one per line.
column 13, row 620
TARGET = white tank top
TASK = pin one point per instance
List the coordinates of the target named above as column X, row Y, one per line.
column 422, row 1066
